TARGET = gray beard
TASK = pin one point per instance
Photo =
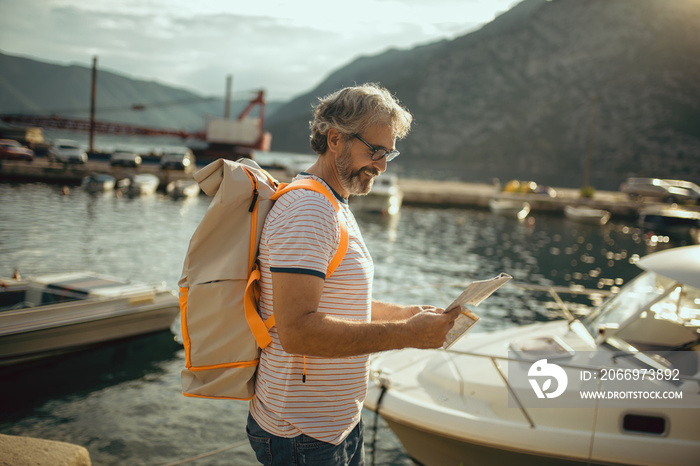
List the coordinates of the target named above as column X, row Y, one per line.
column 352, row 181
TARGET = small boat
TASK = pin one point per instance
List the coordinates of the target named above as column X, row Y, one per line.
column 384, row 198
column 98, row 182
column 58, row 313
column 663, row 217
column 509, row 207
column 587, row 214
column 619, row 385
column 182, row 188
column 142, row 184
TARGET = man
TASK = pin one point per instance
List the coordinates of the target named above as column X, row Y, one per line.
column 312, row 378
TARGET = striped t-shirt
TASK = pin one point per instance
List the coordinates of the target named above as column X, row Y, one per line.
column 301, row 235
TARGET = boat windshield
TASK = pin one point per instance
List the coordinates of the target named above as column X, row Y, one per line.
column 631, row 300
column 651, row 311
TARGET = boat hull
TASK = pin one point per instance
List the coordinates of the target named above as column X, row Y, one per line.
column 182, row 189
column 510, row 208
column 587, row 215
column 431, row 449
column 69, row 318
column 385, row 198
column 144, row 184
column 98, row 183
column 27, row 346
column 384, row 204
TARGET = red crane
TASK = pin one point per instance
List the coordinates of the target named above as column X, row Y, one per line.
column 83, row 124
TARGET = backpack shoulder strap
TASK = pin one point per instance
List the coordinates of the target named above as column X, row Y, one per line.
column 316, row 186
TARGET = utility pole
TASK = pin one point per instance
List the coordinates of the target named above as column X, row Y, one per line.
column 227, row 108
column 589, row 155
column 92, row 104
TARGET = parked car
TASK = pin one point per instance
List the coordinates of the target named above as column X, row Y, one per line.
column 67, row 151
column 671, row 191
column 13, row 150
column 124, row 158
column 177, row 158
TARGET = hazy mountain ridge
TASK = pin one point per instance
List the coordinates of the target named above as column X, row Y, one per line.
column 525, row 95
column 32, row 87
column 528, row 95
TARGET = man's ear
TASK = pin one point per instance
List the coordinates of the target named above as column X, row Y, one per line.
column 336, row 141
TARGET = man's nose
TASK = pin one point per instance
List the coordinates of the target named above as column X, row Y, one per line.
column 380, row 164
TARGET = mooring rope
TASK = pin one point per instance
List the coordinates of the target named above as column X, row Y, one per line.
column 376, row 418
column 211, row 453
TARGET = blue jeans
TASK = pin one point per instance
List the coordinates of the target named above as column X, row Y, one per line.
column 304, row 450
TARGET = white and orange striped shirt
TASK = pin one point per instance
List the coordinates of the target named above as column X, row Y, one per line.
column 301, row 235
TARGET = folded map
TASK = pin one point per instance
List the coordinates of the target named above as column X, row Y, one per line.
column 473, row 294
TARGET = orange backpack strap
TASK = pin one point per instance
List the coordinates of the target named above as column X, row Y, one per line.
column 313, row 185
column 256, row 324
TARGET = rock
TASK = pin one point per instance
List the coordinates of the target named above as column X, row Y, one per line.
column 21, row 451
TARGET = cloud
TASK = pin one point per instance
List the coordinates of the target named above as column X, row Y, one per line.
column 195, row 45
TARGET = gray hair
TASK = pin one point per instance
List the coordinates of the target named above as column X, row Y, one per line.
column 354, row 109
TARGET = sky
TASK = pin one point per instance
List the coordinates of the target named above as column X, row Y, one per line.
column 285, row 48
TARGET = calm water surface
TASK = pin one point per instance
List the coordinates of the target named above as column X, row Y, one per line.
column 123, row 402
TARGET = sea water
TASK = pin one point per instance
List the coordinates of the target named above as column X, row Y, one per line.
column 123, row 401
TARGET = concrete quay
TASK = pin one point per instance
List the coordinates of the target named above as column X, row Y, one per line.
column 42, row 170
column 474, row 195
column 428, row 193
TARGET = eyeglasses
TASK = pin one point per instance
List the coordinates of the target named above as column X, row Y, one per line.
column 378, row 153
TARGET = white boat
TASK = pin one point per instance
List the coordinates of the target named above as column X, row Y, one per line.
column 53, row 314
column 141, row 184
column 182, row 188
column 98, row 182
column 601, row 389
column 509, row 207
column 664, row 217
column 384, row 198
column 587, row 214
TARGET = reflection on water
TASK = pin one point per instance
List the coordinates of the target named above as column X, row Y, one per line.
column 129, row 409
column 455, row 246
column 77, row 374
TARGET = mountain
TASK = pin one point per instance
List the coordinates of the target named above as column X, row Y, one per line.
column 539, row 91
column 36, row 88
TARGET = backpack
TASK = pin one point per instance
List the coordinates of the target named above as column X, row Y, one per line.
column 222, row 330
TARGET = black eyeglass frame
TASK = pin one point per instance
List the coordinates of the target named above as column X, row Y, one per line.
column 389, row 154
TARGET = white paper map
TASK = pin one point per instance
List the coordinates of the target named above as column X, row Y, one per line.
column 473, row 294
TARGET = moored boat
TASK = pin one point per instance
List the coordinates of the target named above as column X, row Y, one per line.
column 52, row 314
column 384, row 198
column 509, row 207
column 516, row 396
column 663, row 217
column 587, row 214
column 182, row 188
column 141, row 184
column 98, row 182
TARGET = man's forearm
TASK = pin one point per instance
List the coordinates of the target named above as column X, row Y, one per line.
column 317, row 334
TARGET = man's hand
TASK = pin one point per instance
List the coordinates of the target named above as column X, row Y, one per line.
column 429, row 326
column 410, row 311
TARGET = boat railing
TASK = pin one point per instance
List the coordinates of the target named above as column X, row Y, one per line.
column 595, row 296
column 555, row 291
